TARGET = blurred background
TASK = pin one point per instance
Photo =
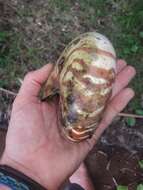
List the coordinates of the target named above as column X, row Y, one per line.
column 34, row 32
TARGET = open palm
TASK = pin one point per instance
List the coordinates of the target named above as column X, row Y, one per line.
column 35, row 144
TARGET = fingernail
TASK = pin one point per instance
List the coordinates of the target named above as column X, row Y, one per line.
column 131, row 70
column 130, row 92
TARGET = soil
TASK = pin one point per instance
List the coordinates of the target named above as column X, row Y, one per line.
column 114, row 160
column 113, row 166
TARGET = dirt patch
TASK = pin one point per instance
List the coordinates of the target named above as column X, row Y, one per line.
column 119, row 134
column 113, row 168
column 2, row 141
column 5, row 109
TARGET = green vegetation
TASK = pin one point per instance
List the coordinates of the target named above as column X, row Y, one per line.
column 139, row 112
column 141, row 164
column 140, row 187
column 39, row 32
column 13, row 56
column 120, row 187
column 130, row 121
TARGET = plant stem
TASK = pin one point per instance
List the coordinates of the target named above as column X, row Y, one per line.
column 130, row 115
column 8, row 92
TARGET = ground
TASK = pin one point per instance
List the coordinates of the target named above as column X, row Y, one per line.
column 33, row 33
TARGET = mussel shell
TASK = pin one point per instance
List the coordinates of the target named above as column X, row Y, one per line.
column 85, row 83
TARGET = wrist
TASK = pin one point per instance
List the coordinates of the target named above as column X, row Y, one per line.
column 3, row 187
column 27, row 171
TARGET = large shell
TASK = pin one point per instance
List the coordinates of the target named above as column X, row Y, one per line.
column 84, row 75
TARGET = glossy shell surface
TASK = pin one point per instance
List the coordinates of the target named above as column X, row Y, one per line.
column 84, row 75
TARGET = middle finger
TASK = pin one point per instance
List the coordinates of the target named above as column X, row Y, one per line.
column 122, row 79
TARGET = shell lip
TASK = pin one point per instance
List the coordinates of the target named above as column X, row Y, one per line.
column 78, row 140
column 80, row 136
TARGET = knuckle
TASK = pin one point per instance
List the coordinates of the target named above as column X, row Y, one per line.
column 91, row 142
column 132, row 70
column 130, row 92
column 29, row 76
column 114, row 109
column 123, row 62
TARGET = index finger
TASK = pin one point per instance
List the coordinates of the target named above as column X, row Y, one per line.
column 33, row 81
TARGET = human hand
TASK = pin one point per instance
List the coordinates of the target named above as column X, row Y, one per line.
column 34, row 144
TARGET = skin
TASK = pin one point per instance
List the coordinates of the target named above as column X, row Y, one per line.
column 82, row 178
column 34, row 143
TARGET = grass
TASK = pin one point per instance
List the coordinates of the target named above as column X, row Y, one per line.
column 43, row 30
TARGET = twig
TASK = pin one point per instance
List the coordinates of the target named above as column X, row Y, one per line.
column 8, row 92
column 130, row 115
column 20, row 81
column 115, row 182
column 108, row 165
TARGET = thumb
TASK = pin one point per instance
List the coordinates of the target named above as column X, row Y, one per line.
column 33, row 81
